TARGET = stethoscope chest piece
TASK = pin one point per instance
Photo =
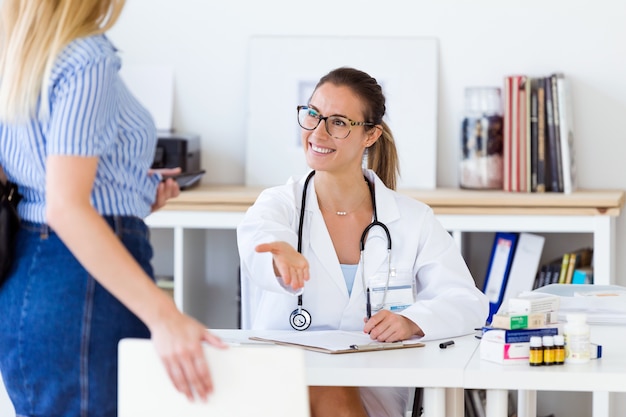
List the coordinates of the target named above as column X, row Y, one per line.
column 300, row 319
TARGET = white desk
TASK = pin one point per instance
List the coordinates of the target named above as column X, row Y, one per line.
column 600, row 376
column 439, row 371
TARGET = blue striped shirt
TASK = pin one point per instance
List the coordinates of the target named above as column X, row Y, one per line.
column 92, row 113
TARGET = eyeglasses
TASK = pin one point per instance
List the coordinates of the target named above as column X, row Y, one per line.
column 338, row 127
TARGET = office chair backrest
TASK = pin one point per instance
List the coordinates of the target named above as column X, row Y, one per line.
column 250, row 380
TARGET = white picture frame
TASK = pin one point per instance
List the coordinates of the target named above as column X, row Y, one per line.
column 283, row 72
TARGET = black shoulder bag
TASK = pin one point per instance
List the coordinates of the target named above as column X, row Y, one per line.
column 9, row 225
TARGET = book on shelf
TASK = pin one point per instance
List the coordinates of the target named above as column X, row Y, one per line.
column 523, row 140
column 514, row 137
column 541, row 135
column 566, row 135
column 532, row 130
column 506, row 135
column 500, row 260
column 524, row 266
column 553, row 145
column 564, row 265
column 583, row 275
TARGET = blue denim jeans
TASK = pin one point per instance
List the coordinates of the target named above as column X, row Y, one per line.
column 60, row 328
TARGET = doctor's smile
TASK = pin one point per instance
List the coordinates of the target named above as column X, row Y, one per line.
column 320, row 149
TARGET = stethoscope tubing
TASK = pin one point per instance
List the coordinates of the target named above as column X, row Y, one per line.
column 300, row 319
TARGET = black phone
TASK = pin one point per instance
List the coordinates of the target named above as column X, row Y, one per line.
column 186, row 179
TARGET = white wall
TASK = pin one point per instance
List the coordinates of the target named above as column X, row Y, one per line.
column 480, row 42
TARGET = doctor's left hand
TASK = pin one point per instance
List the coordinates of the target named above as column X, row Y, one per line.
column 289, row 264
column 386, row 326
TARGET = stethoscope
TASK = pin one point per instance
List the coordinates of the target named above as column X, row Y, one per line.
column 300, row 319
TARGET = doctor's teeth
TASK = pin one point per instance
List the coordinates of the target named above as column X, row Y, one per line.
column 321, row 150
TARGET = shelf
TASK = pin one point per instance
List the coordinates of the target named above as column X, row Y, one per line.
column 442, row 200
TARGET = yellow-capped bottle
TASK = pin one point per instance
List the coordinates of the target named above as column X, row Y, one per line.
column 535, row 358
column 548, row 350
column 559, row 349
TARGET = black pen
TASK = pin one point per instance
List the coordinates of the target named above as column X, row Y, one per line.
column 368, row 305
column 445, row 345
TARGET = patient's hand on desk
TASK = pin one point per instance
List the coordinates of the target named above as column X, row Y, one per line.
column 290, row 265
column 166, row 189
column 386, row 326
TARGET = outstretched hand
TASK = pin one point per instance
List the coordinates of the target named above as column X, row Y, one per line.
column 386, row 326
column 290, row 265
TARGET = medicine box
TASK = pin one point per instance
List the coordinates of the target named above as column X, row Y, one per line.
column 512, row 321
column 504, row 353
column 534, row 303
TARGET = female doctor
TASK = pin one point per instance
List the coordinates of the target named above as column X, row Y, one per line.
column 340, row 249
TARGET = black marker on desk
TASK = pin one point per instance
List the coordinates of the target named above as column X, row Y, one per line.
column 444, row 345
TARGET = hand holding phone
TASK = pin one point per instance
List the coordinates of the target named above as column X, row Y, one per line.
column 186, row 179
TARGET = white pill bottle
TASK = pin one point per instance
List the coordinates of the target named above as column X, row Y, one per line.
column 577, row 343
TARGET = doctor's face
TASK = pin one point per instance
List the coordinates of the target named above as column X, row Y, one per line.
column 325, row 152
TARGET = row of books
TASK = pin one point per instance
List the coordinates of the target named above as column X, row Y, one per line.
column 571, row 268
column 538, row 139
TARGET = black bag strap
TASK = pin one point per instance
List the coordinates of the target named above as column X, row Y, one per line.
column 8, row 190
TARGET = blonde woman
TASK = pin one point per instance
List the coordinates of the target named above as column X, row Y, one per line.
column 79, row 146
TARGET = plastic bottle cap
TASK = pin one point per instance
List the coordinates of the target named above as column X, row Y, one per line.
column 535, row 341
column 559, row 339
column 548, row 341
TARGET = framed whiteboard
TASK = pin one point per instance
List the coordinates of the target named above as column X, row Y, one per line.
column 283, row 72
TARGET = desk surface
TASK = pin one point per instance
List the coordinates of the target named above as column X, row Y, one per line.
column 443, row 201
column 605, row 374
column 428, row 366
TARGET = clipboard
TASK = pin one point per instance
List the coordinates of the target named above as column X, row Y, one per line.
column 335, row 341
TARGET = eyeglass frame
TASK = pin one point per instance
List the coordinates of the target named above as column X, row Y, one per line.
column 325, row 119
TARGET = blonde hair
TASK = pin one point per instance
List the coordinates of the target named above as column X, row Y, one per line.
column 33, row 33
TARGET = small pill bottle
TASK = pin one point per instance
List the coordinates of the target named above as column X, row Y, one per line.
column 548, row 350
column 559, row 349
column 577, row 343
column 535, row 358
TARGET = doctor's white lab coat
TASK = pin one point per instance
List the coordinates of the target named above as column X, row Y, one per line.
column 447, row 301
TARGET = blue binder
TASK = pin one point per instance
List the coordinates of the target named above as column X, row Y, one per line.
column 498, row 271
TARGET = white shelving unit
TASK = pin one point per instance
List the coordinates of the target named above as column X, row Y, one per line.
column 199, row 213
